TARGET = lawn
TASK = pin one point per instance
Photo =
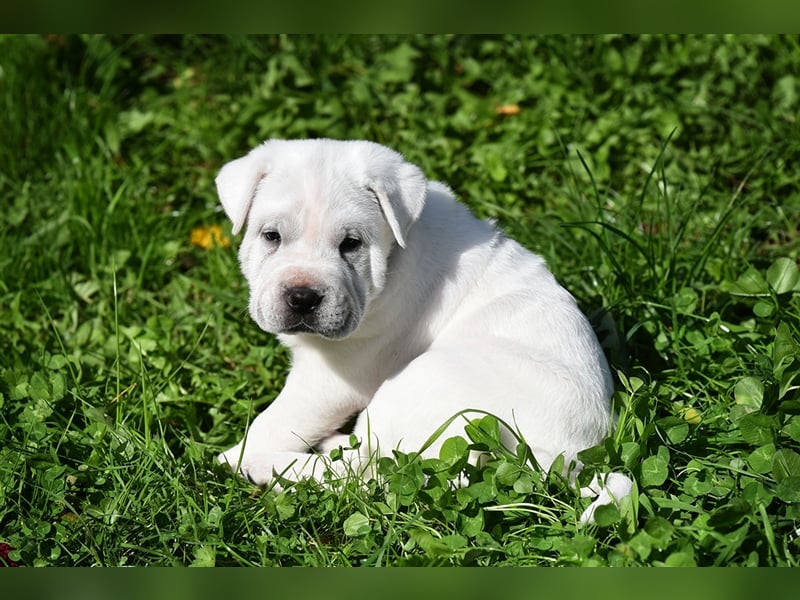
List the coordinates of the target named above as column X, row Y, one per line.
column 659, row 176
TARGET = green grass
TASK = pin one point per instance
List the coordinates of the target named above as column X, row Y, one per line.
column 657, row 175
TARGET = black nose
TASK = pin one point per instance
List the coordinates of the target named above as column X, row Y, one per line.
column 302, row 300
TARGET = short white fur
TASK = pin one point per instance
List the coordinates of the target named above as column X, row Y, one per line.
column 433, row 312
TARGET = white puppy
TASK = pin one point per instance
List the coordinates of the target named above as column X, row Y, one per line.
column 401, row 307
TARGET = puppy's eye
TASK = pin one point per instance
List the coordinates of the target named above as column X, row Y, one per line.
column 271, row 236
column 349, row 244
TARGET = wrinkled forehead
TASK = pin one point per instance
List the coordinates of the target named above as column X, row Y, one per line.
column 314, row 187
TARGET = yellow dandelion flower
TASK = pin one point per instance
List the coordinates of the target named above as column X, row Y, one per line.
column 209, row 237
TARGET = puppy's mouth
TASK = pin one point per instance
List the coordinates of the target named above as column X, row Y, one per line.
column 305, row 315
column 311, row 324
column 331, row 333
column 302, row 327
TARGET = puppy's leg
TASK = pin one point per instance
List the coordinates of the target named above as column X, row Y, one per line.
column 610, row 488
column 436, row 386
column 266, row 468
column 335, row 441
column 312, row 405
column 263, row 468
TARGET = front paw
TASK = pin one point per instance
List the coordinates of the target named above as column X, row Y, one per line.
column 254, row 467
column 273, row 468
column 231, row 456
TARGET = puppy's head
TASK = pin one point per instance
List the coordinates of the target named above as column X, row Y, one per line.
column 322, row 218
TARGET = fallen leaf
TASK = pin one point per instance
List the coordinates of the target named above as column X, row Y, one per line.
column 508, row 109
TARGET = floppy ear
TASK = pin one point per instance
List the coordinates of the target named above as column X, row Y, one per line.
column 401, row 197
column 237, row 182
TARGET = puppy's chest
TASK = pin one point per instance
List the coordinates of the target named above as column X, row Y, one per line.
column 365, row 367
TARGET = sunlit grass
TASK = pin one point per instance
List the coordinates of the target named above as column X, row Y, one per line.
column 655, row 174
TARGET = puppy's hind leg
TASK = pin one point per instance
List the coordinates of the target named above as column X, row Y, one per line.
column 609, row 488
